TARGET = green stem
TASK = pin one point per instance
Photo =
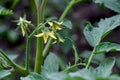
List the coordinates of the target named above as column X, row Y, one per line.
column 64, row 14
column 36, row 30
column 73, row 66
column 37, row 2
column 47, row 47
column 90, row 59
column 42, row 11
column 27, row 64
column 17, row 68
column 39, row 49
column 39, row 57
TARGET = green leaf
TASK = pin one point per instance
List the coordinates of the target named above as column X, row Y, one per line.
column 95, row 34
column 3, row 63
column 87, row 74
column 34, row 76
column 51, row 64
column 15, row 2
column 118, row 62
column 102, row 71
column 96, row 59
column 67, row 24
column 4, row 11
column 4, row 73
column 58, row 76
column 53, row 76
column 106, row 47
column 62, row 76
column 1, row 67
column 111, row 4
column 66, row 46
column 113, row 77
column 92, row 34
column 105, row 68
column 12, row 56
column 74, row 78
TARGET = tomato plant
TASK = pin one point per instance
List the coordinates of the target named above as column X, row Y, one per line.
column 48, row 31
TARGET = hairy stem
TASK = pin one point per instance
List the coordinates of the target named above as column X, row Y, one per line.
column 27, row 64
column 39, row 49
column 90, row 59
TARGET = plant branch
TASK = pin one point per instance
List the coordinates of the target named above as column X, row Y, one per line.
column 27, row 64
column 37, row 2
column 64, row 14
column 39, row 49
column 73, row 66
column 17, row 68
column 90, row 59
column 36, row 30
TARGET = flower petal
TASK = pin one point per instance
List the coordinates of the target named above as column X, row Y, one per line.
column 23, row 31
column 60, row 23
column 18, row 23
column 45, row 37
column 58, row 27
column 21, row 19
column 54, row 42
column 39, row 35
column 51, row 34
column 50, row 23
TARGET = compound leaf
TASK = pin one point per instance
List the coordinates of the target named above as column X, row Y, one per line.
column 106, row 47
column 111, row 4
column 4, row 11
column 51, row 64
column 34, row 76
column 4, row 73
column 95, row 34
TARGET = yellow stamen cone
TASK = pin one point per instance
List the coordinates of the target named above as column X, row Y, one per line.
column 39, row 35
column 51, row 34
column 45, row 37
column 50, row 23
column 23, row 31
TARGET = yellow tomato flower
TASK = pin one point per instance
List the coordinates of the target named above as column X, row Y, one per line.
column 55, row 25
column 46, row 35
column 59, row 39
column 23, row 25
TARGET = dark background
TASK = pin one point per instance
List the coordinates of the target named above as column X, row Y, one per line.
column 13, row 43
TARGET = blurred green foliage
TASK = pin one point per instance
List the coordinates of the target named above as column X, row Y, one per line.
column 12, row 37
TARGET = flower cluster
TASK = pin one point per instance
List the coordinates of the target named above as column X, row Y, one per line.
column 46, row 34
column 51, row 32
column 55, row 25
column 23, row 24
